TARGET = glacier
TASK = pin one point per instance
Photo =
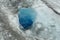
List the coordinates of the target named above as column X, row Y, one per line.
column 45, row 27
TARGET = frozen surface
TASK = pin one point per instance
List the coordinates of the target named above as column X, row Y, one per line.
column 46, row 26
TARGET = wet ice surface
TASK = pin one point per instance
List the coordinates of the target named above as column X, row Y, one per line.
column 46, row 28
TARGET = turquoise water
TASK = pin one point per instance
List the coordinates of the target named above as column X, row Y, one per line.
column 26, row 17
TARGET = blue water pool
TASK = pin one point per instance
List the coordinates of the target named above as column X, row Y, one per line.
column 26, row 17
